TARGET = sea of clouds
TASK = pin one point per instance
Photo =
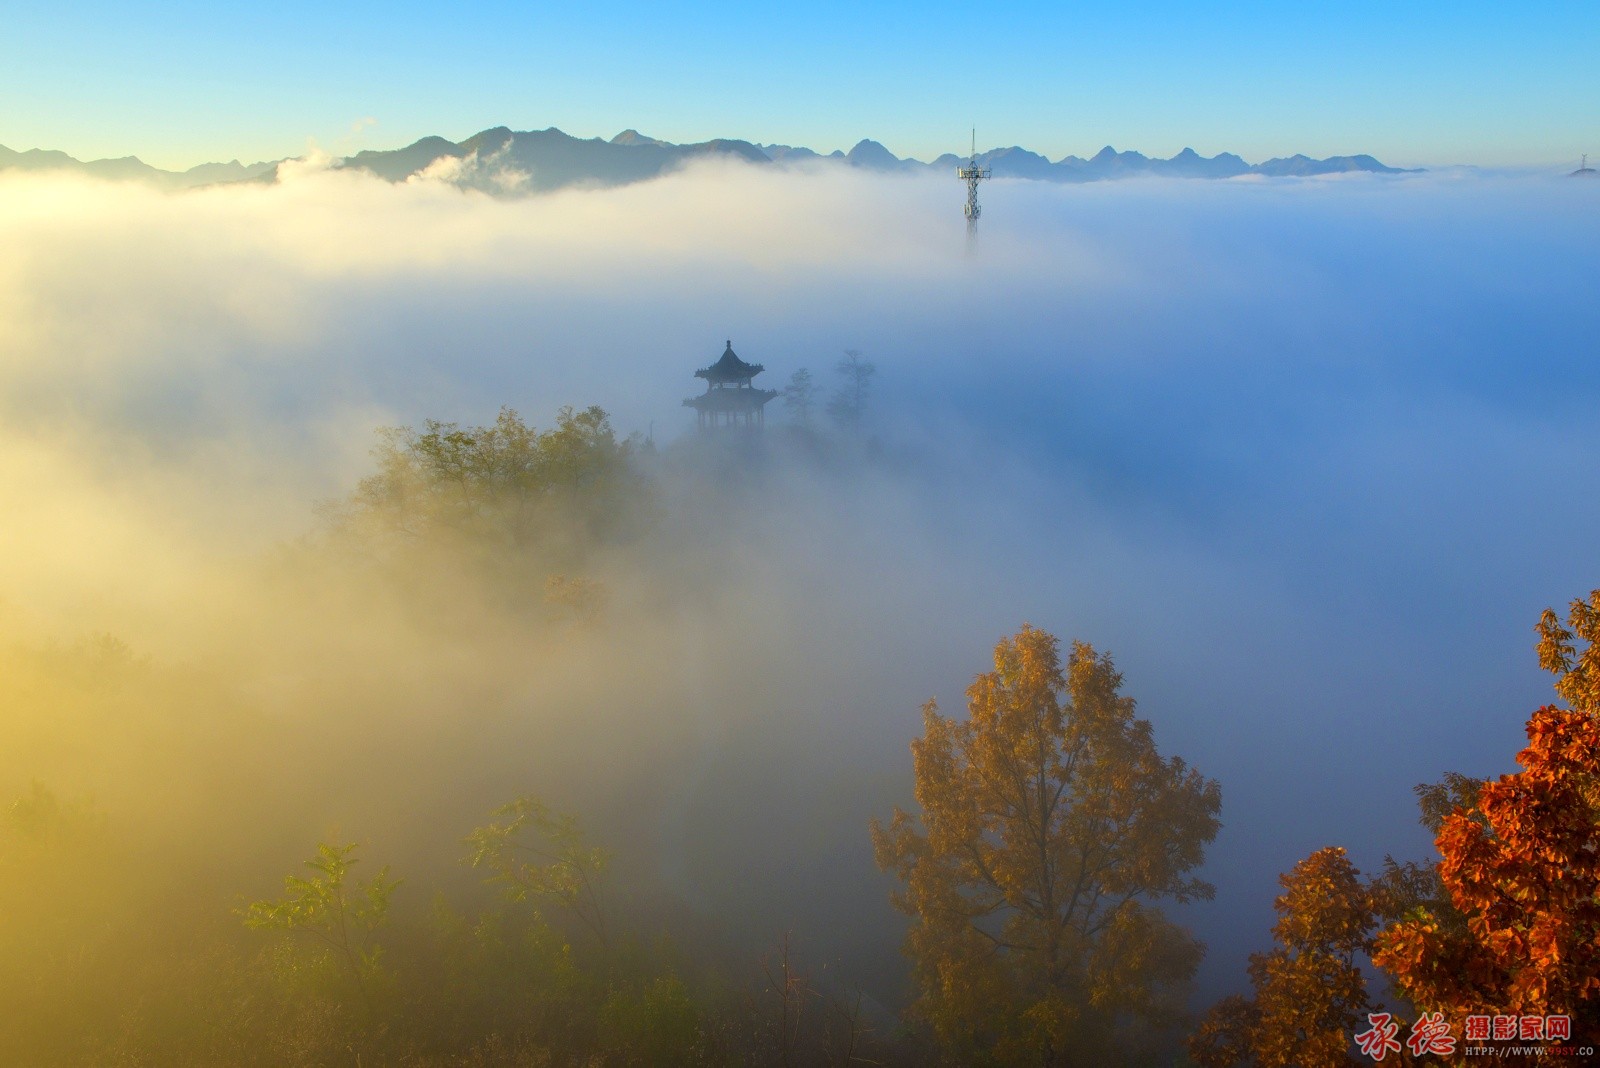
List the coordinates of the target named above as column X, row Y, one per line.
column 1308, row 457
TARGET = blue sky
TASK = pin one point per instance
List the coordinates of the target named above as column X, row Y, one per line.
column 1417, row 83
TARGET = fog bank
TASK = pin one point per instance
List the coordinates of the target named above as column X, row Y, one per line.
column 1308, row 457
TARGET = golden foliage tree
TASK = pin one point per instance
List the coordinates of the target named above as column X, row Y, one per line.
column 1572, row 652
column 1049, row 824
column 1310, row 995
column 1522, row 865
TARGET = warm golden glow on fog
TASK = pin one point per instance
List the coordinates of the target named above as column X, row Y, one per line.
column 1144, row 417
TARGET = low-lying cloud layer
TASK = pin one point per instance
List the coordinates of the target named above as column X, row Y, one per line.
column 1308, row 457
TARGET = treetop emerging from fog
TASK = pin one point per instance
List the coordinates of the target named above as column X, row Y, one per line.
column 506, row 485
column 1049, row 826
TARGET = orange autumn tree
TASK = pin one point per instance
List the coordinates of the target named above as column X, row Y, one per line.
column 1310, row 995
column 1049, row 824
column 1523, row 865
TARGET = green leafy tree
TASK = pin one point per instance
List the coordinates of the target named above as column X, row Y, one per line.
column 1049, row 827
column 623, row 1001
column 506, row 972
column 505, row 514
column 334, row 912
column 507, row 485
column 655, row 1024
column 539, row 856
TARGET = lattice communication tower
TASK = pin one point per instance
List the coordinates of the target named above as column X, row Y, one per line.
column 972, row 174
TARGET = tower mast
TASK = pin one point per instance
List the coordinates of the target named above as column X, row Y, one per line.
column 972, row 174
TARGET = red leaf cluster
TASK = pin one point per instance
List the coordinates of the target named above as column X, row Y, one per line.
column 1525, row 875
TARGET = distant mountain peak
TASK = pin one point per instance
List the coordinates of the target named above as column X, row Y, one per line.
column 870, row 154
column 504, row 161
column 631, row 136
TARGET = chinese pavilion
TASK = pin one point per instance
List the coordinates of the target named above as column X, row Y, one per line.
column 730, row 399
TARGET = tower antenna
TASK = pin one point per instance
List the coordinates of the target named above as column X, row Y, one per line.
column 972, row 174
